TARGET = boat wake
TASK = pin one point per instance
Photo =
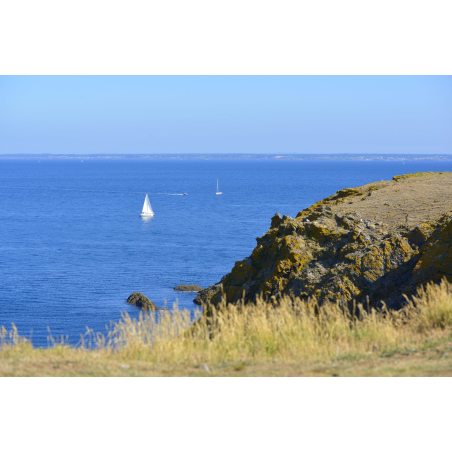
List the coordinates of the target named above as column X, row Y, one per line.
column 170, row 194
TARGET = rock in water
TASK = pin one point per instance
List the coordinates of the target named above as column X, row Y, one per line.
column 188, row 288
column 205, row 295
column 140, row 300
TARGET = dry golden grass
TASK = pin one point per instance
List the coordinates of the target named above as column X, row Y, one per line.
column 419, row 198
column 291, row 337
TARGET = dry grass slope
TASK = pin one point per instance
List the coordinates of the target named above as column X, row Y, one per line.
column 291, row 337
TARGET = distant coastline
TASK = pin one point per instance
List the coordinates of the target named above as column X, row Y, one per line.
column 351, row 157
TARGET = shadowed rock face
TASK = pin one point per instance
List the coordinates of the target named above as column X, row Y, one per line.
column 435, row 259
column 331, row 252
column 140, row 300
column 205, row 296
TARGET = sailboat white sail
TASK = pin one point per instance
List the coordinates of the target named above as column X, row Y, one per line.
column 147, row 209
column 218, row 191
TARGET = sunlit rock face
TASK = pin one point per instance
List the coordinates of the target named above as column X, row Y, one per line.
column 141, row 301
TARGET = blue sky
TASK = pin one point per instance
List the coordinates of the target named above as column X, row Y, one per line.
column 225, row 114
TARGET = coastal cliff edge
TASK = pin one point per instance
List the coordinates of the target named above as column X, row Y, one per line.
column 363, row 244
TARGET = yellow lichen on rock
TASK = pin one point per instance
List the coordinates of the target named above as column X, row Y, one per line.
column 435, row 261
column 418, row 174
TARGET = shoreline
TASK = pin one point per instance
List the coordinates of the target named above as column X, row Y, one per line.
column 247, row 157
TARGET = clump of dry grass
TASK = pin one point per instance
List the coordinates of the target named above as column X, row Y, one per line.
column 12, row 341
column 431, row 308
column 288, row 331
column 12, row 338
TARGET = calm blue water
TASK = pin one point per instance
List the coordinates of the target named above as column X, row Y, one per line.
column 73, row 247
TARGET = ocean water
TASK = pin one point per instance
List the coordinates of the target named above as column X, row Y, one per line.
column 73, row 246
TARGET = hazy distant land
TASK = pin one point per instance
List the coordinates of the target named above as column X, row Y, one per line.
column 360, row 157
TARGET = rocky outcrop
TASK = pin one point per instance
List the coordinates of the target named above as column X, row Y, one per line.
column 188, row 288
column 140, row 300
column 331, row 252
column 205, row 296
column 435, row 258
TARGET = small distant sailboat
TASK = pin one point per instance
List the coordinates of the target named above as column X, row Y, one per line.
column 147, row 209
column 218, row 191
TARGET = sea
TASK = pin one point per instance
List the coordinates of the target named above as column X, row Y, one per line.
column 73, row 246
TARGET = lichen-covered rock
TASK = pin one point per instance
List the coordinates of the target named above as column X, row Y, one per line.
column 188, row 288
column 420, row 233
column 140, row 300
column 435, row 260
column 320, row 259
column 332, row 255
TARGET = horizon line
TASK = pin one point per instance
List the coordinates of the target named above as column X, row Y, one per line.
column 214, row 154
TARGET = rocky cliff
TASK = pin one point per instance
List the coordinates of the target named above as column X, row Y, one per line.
column 375, row 242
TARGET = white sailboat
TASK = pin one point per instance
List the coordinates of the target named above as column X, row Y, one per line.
column 147, row 209
column 218, row 191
